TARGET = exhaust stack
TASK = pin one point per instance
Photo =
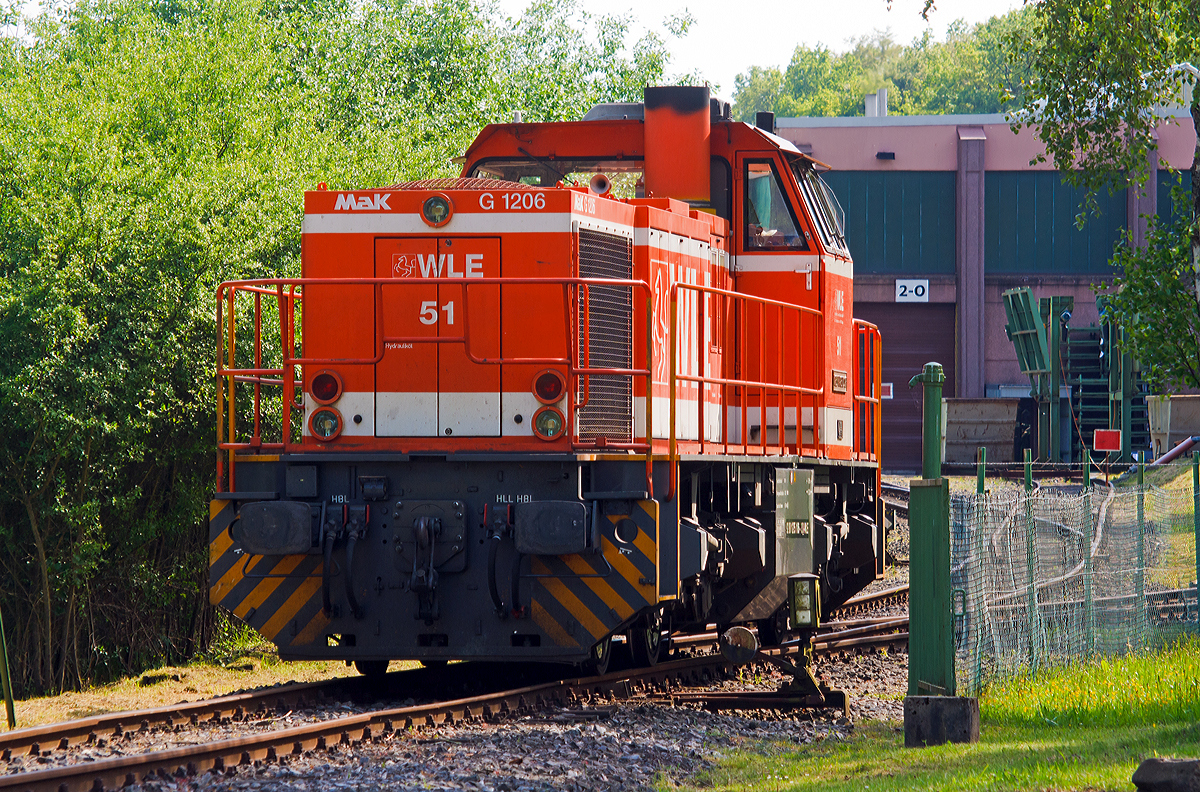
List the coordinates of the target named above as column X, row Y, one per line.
column 678, row 127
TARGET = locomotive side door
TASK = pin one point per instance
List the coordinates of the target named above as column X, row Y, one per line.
column 777, row 258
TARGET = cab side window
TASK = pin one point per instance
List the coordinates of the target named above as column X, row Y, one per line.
column 770, row 222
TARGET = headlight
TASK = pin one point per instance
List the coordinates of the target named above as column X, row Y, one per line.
column 548, row 423
column 548, row 386
column 326, row 387
column 325, row 423
column 436, row 210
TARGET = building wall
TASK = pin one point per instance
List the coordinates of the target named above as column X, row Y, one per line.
column 959, row 200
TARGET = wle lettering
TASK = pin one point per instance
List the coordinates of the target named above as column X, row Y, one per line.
column 432, row 266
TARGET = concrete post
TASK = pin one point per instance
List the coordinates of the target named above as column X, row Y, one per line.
column 1141, row 203
column 969, row 257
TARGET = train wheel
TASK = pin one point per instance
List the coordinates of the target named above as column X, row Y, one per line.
column 645, row 640
column 601, row 654
column 771, row 630
column 372, row 669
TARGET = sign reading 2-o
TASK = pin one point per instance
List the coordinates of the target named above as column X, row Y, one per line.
column 912, row 290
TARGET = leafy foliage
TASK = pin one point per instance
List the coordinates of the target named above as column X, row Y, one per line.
column 1153, row 301
column 1100, row 72
column 970, row 72
column 150, row 149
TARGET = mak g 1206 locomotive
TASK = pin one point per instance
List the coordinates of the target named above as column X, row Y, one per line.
column 607, row 383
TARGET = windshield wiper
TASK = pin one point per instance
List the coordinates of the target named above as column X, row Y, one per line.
column 544, row 164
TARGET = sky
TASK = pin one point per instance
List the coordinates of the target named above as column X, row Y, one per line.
column 729, row 37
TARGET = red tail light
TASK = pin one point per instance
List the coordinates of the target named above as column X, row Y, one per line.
column 548, row 386
column 326, row 387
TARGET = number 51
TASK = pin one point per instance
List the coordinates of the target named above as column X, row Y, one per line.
column 429, row 309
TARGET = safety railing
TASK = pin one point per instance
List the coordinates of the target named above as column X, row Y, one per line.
column 288, row 293
column 868, row 370
column 748, row 325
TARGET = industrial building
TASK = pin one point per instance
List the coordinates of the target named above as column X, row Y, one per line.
column 943, row 214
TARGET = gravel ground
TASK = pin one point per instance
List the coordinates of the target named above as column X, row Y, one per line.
column 626, row 745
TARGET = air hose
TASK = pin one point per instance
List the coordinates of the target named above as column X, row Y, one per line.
column 493, row 588
column 355, row 608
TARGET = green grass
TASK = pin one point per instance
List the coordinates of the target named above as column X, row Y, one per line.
column 1083, row 727
column 1133, row 690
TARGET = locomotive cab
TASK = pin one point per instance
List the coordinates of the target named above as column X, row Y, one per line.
column 604, row 383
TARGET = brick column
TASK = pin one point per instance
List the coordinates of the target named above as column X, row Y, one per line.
column 969, row 262
column 1144, row 201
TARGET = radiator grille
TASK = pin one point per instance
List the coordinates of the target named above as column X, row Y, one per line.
column 606, row 338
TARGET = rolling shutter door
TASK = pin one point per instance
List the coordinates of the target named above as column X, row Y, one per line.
column 913, row 334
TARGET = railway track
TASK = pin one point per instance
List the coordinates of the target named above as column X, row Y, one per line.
column 217, row 756
column 861, row 603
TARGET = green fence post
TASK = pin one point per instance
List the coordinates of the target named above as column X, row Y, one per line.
column 979, row 486
column 931, row 625
column 1196, row 523
column 6, row 678
column 1089, row 612
column 1140, row 573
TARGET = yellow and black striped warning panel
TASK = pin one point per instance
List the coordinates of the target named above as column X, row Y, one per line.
column 280, row 596
column 585, row 597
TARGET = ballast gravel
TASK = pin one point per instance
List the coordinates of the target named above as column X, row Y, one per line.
column 622, row 746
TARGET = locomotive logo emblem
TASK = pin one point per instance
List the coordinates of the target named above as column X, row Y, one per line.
column 403, row 265
column 362, row 203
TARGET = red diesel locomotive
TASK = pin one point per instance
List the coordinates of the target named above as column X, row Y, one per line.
column 605, row 383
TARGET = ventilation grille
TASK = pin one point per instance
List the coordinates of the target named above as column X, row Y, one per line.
column 606, row 338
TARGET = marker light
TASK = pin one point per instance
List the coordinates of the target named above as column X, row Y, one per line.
column 326, row 387
column 548, row 386
column 804, row 601
column 325, row 423
column 548, row 423
column 436, row 210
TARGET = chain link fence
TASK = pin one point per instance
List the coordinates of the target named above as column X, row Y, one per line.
column 1060, row 574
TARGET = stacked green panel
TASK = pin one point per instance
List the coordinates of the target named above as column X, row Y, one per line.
column 898, row 222
column 1030, row 225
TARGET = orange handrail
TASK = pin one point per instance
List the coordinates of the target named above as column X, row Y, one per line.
column 868, row 367
column 745, row 386
column 288, row 292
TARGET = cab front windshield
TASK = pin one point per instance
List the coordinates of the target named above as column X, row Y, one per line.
column 625, row 175
column 823, row 205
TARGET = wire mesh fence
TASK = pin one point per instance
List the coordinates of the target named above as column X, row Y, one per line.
column 1059, row 574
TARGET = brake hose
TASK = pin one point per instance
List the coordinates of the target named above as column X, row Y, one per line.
column 493, row 550
column 517, row 610
column 355, row 608
column 325, row 571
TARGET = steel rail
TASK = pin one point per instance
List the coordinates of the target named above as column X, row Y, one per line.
column 874, row 598
column 187, row 761
column 191, row 760
column 35, row 739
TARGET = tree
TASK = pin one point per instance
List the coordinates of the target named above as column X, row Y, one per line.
column 150, row 149
column 1101, row 69
column 970, row 72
